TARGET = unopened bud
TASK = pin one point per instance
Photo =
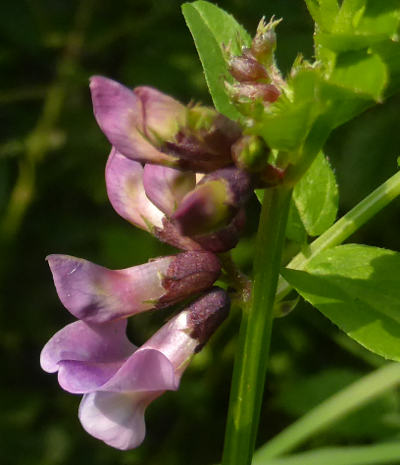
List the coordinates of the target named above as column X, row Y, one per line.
column 226, row 238
column 266, row 93
column 264, row 42
column 214, row 202
column 245, row 69
column 250, row 153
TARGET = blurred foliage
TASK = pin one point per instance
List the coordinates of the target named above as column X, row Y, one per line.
column 53, row 200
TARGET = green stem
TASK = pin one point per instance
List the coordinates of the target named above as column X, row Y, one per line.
column 340, row 404
column 376, row 454
column 255, row 331
column 344, row 227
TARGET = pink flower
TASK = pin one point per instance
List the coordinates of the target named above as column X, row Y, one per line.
column 159, row 199
column 118, row 380
column 97, row 295
column 148, row 126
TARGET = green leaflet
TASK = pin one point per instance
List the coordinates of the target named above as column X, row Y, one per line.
column 316, row 197
column 357, row 25
column 295, row 228
column 211, row 28
column 314, row 205
column 358, row 288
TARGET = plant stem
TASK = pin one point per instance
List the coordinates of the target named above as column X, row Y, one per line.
column 339, row 405
column 255, row 331
column 344, row 227
column 376, row 454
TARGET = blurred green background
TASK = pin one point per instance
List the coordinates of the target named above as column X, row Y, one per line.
column 53, row 200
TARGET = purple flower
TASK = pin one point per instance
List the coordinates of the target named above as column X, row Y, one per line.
column 149, row 197
column 148, row 126
column 96, row 294
column 119, row 381
column 135, row 121
column 214, row 202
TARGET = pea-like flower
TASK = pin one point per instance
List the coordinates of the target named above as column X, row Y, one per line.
column 148, row 126
column 160, row 200
column 118, row 380
column 97, row 294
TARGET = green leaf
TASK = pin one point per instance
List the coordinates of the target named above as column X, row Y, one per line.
column 285, row 124
column 374, row 454
column 316, row 197
column 358, row 25
column 358, row 288
column 295, row 228
column 324, row 12
column 361, row 72
column 212, row 28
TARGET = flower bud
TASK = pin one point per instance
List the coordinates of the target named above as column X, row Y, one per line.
column 243, row 92
column 166, row 187
column 225, row 238
column 245, row 68
column 213, row 203
column 264, row 42
column 250, row 153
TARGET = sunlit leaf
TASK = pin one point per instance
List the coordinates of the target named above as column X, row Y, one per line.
column 212, row 28
column 358, row 288
column 316, row 197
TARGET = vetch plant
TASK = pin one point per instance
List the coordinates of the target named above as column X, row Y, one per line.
column 185, row 175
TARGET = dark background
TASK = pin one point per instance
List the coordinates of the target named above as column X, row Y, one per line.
column 53, row 200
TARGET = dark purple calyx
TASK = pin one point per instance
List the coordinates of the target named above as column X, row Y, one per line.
column 206, row 147
column 226, row 238
column 189, row 273
column 238, row 181
column 170, row 234
column 206, row 314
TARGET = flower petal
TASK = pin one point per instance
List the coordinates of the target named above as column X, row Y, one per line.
column 82, row 377
column 96, row 294
column 81, row 341
column 124, row 180
column 115, row 418
column 166, row 187
column 146, row 370
column 163, row 115
column 119, row 113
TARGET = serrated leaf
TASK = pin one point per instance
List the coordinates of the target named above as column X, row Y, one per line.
column 316, row 197
column 358, row 288
column 212, row 28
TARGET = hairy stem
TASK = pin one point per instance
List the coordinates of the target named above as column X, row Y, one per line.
column 255, row 331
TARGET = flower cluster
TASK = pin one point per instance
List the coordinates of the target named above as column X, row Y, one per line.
column 170, row 172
